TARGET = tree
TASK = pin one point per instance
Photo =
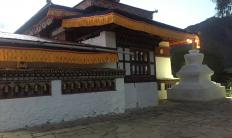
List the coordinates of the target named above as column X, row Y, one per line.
column 223, row 7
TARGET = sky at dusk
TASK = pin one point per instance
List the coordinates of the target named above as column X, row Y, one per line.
column 179, row 13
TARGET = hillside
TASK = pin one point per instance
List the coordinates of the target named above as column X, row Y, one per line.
column 216, row 38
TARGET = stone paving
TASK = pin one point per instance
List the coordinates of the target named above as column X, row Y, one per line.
column 169, row 120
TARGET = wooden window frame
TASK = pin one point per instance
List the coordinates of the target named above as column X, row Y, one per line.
column 139, row 76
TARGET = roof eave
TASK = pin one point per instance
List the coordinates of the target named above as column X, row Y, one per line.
column 113, row 17
column 41, row 13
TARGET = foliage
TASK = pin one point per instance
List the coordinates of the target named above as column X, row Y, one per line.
column 216, row 37
column 226, row 80
column 215, row 62
column 223, row 7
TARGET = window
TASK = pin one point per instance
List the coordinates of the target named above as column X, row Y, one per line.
column 140, row 62
column 136, row 55
column 137, row 63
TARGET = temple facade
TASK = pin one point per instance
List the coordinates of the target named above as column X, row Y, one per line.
column 98, row 57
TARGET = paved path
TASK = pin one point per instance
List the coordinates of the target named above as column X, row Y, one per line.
column 169, row 120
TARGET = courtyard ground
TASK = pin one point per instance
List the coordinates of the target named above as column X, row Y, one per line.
column 169, row 120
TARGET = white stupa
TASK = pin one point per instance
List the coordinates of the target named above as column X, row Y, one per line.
column 195, row 81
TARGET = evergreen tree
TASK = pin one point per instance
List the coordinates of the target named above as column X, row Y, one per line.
column 223, row 7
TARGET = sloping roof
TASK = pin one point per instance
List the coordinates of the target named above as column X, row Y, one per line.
column 132, row 16
column 41, row 14
column 11, row 36
column 129, row 21
column 111, row 4
column 37, row 42
column 85, row 19
column 22, row 48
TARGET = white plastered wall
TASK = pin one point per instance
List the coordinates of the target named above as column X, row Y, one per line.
column 105, row 39
column 141, row 95
column 135, row 95
column 27, row 112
